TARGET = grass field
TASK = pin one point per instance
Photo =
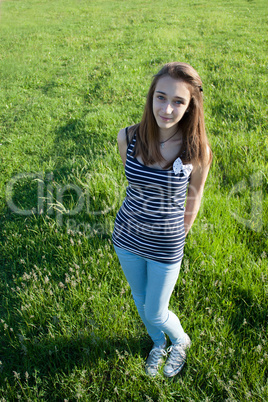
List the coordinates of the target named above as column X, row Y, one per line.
column 72, row 74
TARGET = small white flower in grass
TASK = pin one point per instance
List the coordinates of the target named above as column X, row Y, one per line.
column 16, row 375
column 116, row 391
column 26, row 277
column 264, row 255
column 186, row 265
column 259, row 348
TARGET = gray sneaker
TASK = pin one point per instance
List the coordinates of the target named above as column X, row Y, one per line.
column 177, row 357
column 154, row 360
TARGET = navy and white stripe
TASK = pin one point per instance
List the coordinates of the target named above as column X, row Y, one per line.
column 150, row 222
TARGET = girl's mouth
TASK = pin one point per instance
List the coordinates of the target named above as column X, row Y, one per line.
column 165, row 118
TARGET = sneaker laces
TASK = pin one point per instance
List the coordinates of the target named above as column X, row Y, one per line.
column 155, row 355
column 177, row 354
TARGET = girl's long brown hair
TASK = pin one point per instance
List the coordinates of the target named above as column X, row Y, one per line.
column 192, row 125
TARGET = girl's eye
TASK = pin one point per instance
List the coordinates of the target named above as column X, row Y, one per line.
column 178, row 102
column 160, row 97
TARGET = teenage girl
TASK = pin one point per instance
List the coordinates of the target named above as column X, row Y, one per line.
column 167, row 159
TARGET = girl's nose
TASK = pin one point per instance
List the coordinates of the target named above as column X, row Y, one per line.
column 168, row 108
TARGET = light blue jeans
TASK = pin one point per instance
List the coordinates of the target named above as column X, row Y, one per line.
column 152, row 284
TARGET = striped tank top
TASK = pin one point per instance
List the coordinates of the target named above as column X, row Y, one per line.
column 150, row 222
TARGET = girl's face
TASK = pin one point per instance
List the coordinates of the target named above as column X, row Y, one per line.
column 170, row 101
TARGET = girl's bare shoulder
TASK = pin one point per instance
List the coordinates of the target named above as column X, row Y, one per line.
column 122, row 135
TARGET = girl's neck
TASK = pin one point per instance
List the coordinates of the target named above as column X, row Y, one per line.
column 172, row 133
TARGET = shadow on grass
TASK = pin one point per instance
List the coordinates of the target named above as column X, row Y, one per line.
column 36, row 350
column 247, row 313
column 64, row 355
column 77, row 138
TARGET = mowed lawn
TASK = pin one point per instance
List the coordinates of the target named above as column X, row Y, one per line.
column 72, row 73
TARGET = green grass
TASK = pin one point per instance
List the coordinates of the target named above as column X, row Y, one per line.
column 71, row 75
